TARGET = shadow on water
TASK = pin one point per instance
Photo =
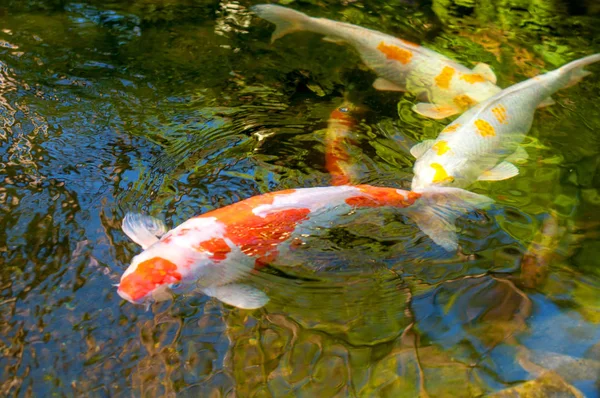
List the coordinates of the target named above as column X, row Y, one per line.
column 175, row 108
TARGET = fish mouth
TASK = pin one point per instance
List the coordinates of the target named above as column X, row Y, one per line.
column 127, row 297
column 161, row 293
column 145, row 301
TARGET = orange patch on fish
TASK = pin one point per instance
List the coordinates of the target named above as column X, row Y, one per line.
column 441, row 147
column 443, row 79
column 463, row 101
column 440, row 173
column 337, row 143
column 232, row 213
column 378, row 197
column 452, row 128
column 217, row 246
column 257, row 236
column 337, row 160
column 472, row 78
column 343, row 118
column 409, row 43
column 500, row 113
column 484, row 128
column 147, row 276
column 395, row 53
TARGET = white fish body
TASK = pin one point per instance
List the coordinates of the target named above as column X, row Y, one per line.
column 449, row 87
column 483, row 141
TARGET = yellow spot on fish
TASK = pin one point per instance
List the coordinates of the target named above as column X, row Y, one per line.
column 473, row 78
column 395, row 53
column 452, row 128
column 440, row 173
column 443, row 79
column 500, row 113
column 441, row 147
column 463, row 101
column 484, row 128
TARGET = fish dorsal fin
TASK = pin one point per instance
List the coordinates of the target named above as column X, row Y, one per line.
column 435, row 111
column 502, row 171
column 485, row 71
column 419, row 149
column 386, row 85
column 238, row 295
column 520, row 155
column 143, row 230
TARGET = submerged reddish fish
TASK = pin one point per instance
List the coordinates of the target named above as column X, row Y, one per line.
column 338, row 143
column 213, row 252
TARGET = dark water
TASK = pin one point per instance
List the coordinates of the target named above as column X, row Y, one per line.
column 174, row 108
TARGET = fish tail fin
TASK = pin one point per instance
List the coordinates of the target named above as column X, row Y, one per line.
column 438, row 208
column 575, row 69
column 285, row 19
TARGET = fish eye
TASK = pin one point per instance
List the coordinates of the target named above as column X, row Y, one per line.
column 344, row 109
column 175, row 285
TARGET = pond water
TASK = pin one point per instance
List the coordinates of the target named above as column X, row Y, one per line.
column 177, row 107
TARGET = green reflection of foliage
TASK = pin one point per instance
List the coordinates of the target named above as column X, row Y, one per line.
column 549, row 384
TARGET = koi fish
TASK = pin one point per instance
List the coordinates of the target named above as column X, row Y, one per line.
column 448, row 87
column 540, row 253
column 338, row 139
column 484, row 141
column 214, row 251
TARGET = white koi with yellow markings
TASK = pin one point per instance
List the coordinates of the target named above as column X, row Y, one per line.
column 449, row 87
column 482, row 143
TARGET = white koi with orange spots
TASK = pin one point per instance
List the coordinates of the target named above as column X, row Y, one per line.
column 482, row 142
column 213, row 252
column 448, row 87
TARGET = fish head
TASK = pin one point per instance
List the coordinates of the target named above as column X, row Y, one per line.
column 182, row 259
column 159, row 271
column 347, row 113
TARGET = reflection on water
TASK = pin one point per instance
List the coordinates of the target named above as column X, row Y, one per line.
column 174, row 109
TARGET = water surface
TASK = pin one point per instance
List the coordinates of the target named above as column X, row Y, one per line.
column 175, row 108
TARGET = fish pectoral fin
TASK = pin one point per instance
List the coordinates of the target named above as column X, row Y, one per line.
column 334, row 40
column 485, row 71
column 501, row 171
column 546, row 102
column 520, row 155
column 143, row 230
column 386, row 85
column 435, row 111
column 419, row 149
column 238, row 295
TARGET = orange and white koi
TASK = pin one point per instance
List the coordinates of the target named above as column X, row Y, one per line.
column 482, row 142
column 338, row 143
column 448, row 87
column 214, row 251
